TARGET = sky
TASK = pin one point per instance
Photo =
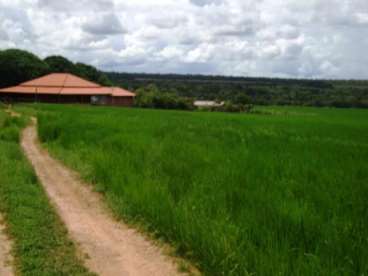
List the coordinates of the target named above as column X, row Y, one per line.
column 269, row 38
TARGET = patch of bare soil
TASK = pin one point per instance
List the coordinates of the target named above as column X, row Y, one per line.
column 5, row 256
column 112, row 248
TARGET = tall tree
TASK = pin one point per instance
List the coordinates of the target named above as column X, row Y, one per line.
column 59, row 64
column 17, row 66
column 91, row 73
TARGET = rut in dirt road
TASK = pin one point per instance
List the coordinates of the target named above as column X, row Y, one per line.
column 112, row 247
column 5, row 247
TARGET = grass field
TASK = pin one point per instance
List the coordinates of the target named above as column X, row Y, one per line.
column 283, row 192
column 41, row 245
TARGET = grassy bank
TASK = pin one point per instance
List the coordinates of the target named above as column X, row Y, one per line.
column 283, row 193
column 41, row 245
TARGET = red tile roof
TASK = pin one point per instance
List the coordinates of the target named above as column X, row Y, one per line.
column 65, row 84
column 60, row 80
column 117, row 91
column 19, row 89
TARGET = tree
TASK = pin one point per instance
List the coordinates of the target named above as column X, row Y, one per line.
column 91, row 73
column 18, row 66
column 242, row 98
column 59, row 64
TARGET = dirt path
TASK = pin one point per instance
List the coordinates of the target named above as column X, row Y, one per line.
column 5, row 257
column 112, row 248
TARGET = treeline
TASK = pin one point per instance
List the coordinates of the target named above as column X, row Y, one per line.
column 18, row 66
column 218, row 78
column 173, row 90
column 151, row 96
column 260, row 91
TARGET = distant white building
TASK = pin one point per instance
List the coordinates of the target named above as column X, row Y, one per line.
column 208, row 104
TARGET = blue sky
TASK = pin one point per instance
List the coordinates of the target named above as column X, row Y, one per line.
column 274, row 38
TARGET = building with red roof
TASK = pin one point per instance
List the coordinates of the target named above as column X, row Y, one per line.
column 66, row 88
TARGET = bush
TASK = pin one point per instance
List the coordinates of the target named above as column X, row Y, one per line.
column 151, row 97
column 242, row 99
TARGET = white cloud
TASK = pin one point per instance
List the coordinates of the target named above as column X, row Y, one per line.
column 293, row 38
column 167, row 20
column 171, row 52
column 202, row 3
column 202, row 54
column 103, row 24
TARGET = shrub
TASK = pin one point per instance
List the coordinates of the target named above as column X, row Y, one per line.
column 151, row 97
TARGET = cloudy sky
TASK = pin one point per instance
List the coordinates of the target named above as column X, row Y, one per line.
column 279, row 38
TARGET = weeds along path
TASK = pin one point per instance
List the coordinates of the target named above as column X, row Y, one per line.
column 6, row 259
column 112, row 248
column 5, row 248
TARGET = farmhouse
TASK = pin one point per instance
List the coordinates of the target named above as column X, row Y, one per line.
column 66, row 88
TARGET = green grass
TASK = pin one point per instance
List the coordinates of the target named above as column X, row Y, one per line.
column 40, row 242
column 280, row 194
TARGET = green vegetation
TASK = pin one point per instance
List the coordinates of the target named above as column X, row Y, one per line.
column 41, row 246
column 60, row 64
column 260, row 91
column 277, row 194
column 151, row 97
column 179, row 91
column 17, row 66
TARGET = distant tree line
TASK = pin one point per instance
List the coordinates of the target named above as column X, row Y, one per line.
column 259, row 91
column 173, row 91
column 18, row 66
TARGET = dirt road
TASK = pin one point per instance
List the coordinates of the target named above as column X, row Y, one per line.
column 112, row 247
column 5, row 257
